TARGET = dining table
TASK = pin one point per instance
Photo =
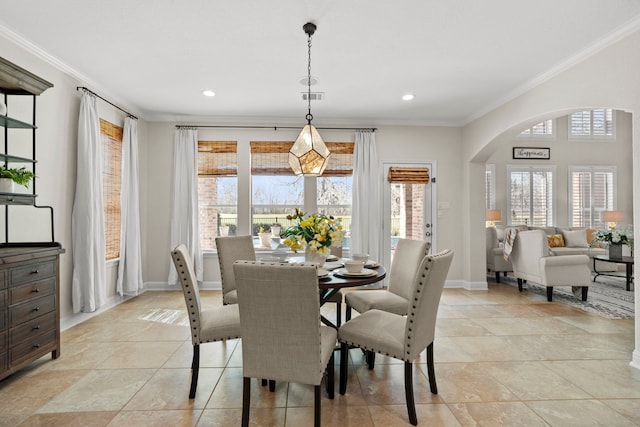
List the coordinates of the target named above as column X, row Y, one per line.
column 331, row 282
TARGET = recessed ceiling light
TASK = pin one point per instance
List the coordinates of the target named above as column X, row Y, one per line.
column 208, row 93
column 407, row 97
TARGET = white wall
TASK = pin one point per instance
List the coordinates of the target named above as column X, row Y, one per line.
column 565, row 153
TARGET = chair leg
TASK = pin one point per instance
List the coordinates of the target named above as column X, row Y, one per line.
column 338, row 314
column 585, row 289
column 246, row 400
column 431, row 370
column 316, row 406
column 408, row 392
column 195, row 368
column 272, row 386
column 498, row 276
column 520, row 284
column 330, row 377
column 549, row 293
column 371, row 359
column 344, row 348
column 347, row 313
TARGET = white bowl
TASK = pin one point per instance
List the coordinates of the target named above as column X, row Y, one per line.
column 353, row 266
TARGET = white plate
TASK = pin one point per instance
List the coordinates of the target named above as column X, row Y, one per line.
column 333, row 265
column 331, row 258
column 364, row 273
column 322, row 272
column 371, row 264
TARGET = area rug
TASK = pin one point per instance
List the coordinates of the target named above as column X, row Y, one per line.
column 607, row 296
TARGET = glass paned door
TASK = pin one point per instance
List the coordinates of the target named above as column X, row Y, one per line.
column 408, row 210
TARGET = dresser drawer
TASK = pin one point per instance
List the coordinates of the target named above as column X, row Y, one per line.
column 3, row 361
column 32, row 328
column 4, row 342
column 3, row 279
column 31, row 348
column 22, row 293
column 32, row 272
column 31, row 309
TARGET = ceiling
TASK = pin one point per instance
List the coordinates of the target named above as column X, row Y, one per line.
column 460, row 58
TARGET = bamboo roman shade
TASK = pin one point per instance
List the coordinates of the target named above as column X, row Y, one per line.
column 217, row 158
column 111, row 136
column 408, row 175
column 272, row 158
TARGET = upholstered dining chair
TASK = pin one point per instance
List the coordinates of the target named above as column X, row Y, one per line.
column 208, row 325
column 394, row 299
column 284, row 345
column 402, row 337
column 230, row 249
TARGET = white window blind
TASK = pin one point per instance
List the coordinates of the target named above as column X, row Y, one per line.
column 592, row 124
column 544, row 129
column 591, row 191
column 531, row 195
column 490, row 186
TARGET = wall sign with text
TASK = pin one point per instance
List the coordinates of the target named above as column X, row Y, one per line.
column 531, row 153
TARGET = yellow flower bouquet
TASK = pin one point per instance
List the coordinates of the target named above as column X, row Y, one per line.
column 314, row 232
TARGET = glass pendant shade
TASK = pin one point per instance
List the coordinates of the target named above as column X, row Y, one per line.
column 309, row 155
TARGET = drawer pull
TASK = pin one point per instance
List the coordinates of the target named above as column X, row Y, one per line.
column 36, row 308
column 36, row 290
column 35, row 328
column 35, row 271
column 36, row 346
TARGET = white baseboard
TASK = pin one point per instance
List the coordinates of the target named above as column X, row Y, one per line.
column 635, row 361
column 463, row 284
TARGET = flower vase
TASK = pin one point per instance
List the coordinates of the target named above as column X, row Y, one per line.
column 314, row 257
column 615, row 251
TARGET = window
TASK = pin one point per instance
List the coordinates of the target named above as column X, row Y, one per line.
column 531, row 195
column 490, row 186
column 275, row 190
column 217, row 190
column 592, row 124
column 111, row 138
column 591, row 191
column 543, row 129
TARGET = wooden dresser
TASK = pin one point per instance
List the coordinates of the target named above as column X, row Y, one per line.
column 29, row 305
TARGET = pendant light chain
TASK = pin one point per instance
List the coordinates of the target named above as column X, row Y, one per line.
column 309, row 116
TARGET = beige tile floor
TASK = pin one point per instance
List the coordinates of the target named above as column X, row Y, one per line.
column 502, row 358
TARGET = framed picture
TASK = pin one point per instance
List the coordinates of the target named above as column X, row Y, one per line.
column 531, row 153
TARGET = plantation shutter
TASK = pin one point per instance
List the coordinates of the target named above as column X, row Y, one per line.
column 592, row 191
column 217, row 158
column 490, row 186
column 531, row 196
column 592, row 123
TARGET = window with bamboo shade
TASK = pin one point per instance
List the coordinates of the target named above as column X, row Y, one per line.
column 111, row 138
column 408, row 175
column 217, row 190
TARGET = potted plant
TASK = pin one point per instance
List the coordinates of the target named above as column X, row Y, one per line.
column 265, row 237
column 11, row 176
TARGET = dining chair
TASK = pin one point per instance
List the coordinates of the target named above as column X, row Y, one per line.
column 394, row 299
column 284, row 345
column 230, row 249
column 398, row 336
column 208, row 325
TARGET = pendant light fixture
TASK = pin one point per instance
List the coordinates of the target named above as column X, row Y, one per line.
column 309, row 155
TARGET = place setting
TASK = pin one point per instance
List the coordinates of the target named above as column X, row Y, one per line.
column 356, row 267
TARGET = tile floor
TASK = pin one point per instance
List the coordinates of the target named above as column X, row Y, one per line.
column 502, row 358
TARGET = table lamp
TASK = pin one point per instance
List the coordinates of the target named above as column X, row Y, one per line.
column 612, row 217
column 493, row 215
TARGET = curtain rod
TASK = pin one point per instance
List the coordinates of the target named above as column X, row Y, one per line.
column 107, row 101
column 269, row 127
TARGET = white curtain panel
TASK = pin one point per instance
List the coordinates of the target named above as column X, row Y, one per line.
column 184, row 200
column 366, row 222
column 130, row 265
column 89, row 281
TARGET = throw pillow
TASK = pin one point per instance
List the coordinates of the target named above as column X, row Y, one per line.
column 590, row 237
column 555, row 240
column 575, row 238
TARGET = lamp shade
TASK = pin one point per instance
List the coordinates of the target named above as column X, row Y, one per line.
column 494, row 215
column 612, row 216
column 309, row 155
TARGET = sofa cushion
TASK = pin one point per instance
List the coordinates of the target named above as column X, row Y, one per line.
column 575, row 238
column 555, row 240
